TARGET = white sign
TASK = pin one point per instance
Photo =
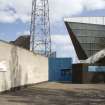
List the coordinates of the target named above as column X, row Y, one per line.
column 3, row 66
column 97, row 68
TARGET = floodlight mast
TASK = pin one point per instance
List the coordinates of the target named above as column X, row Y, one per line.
column 40, row 41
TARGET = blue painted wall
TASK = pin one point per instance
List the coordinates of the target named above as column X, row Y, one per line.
column 57, row 67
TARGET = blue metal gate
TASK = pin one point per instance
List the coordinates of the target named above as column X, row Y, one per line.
column 60, row 69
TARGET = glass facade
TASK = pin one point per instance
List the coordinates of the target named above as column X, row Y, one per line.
column 91, row 37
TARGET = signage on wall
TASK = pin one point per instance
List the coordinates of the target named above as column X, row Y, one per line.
column 3, row 66
column 96, row 68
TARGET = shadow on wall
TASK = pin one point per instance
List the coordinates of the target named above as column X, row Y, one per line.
column 15, row 70
column 26, row 80
column 4, row 83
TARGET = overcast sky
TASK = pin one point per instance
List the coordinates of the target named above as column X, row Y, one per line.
column 15, row 17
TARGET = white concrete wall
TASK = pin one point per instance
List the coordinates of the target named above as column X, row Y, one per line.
column 20, row 67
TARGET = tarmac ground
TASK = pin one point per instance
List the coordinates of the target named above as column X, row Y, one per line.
column 53, row 93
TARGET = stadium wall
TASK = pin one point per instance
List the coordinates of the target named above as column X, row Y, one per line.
column 19, row 67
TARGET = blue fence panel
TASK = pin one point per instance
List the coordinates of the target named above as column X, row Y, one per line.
column 59, row 69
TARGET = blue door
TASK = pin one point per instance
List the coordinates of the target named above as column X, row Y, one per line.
column 66, row 75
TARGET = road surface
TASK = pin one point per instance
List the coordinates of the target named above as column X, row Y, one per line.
column 52, row 93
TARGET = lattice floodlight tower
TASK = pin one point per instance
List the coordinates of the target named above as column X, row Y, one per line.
column 40, row 41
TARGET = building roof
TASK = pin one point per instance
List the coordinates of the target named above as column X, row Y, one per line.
column 92, row 20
